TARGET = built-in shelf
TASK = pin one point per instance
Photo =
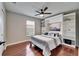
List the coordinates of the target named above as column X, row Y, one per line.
column 69, row 29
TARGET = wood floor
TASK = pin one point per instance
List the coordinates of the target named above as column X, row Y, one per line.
column 23, row 49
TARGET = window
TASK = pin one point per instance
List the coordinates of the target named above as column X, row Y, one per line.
column 30, row 28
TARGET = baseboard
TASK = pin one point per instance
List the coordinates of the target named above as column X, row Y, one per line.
column 72, row 46
column 16, row 42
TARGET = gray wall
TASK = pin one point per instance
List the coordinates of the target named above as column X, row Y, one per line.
column 16, row 27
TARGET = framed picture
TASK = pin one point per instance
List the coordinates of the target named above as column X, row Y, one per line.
column 55, row 26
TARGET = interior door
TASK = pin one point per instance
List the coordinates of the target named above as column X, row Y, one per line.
column 1, row 32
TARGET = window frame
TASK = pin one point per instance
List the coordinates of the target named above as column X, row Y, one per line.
column 28, row 25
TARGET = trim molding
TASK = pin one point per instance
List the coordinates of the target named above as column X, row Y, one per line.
column 16, row 43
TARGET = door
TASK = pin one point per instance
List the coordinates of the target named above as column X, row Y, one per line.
column 1, row 32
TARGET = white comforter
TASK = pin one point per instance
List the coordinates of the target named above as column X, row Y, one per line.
column 46, row 43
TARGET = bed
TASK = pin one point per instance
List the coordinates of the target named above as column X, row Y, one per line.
column 46, row 42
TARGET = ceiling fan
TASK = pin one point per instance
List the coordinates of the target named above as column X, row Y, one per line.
column 41, row 12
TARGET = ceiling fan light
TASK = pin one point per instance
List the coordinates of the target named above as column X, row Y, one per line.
column 42, row 15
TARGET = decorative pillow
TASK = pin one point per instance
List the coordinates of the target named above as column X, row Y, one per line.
column 54, row 35
column 57, row 34
column 46, row 33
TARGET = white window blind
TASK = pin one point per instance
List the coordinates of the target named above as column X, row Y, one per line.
column 30, row 28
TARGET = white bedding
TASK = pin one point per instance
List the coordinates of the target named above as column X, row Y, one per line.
column 46, row 43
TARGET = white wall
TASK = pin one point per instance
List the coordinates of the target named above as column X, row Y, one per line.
column 16, row 27
column 54, row 19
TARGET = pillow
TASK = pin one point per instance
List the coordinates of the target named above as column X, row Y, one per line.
column 51, row 34
column 55, row 34
column 46, row 33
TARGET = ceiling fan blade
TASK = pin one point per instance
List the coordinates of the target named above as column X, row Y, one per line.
column 45, row 8
column 47, row 13
column 37, row 14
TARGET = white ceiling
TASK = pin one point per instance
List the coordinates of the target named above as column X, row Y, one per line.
column 28, row 8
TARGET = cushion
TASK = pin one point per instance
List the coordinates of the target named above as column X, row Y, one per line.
column 46, row 33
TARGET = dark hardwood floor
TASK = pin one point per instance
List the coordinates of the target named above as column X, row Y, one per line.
column 23, row 49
